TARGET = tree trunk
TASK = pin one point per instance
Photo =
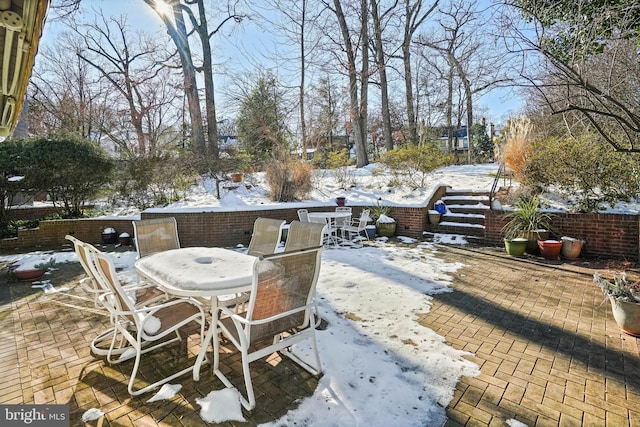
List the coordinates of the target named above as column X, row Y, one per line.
column 384, row 88
column 209, row 92
column 356, row 116
column 303, row 123
column 408, row 86
column 362, row 158
column 178, row 33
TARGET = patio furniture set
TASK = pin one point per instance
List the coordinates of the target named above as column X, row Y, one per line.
column 341, row 229
column 261, row 302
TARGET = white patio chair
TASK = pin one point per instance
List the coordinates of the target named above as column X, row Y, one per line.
column 304, row 235
column 145, row 328
column 155, row 235
column 282, row 311
column 329, row 230
column 357, row 227
column 89, row 283
column 265, row 237
column 340, row 222
column 139, row 293
column 303, row 215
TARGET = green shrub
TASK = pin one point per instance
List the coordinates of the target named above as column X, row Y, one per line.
column 153, row 181
column 71, row 169
column 411, row 164
column 589, row 173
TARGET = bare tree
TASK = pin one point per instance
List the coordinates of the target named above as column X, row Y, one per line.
column 588, row 65
column 379, row 18
column 415, row 16
column 174, row 20
column 63, row 94
column 294, row 23
column 472, row 53
column 358, row 79
column 129, row 65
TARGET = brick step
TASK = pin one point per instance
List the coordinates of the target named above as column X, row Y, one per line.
column 464, row 193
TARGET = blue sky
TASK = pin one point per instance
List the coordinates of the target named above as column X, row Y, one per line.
column 247, row 46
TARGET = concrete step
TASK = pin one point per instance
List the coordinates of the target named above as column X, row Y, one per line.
column 466, row 200
column 463, row 217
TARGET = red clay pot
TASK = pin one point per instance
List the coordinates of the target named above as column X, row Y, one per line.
column 550, row 249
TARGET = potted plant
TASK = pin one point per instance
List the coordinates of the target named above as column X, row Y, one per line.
column 528, row 221
column 624, row 295
column 516, row 246
column 385, row 224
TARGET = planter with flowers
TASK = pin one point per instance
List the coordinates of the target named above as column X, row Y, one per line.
column 624, row 295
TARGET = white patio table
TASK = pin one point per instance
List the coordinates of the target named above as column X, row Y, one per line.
column 200, row 272
column 331, row 219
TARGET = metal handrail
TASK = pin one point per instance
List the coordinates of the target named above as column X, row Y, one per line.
column 500, row 174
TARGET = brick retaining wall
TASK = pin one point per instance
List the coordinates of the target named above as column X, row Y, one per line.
column 606, row 235
column 195, row 228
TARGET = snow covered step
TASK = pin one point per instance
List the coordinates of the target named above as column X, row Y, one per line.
column 469, row 218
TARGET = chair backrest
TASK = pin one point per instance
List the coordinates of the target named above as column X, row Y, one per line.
column 86, row 254
column 303, row 215
column 265, row 237
column 304, row 235
column 106, row 275
column 283, row 283
column 364, row 219
column 155, row 235
column 346, row 220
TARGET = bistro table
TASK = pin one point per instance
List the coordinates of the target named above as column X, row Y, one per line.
column 200, row 272
column 331, row 218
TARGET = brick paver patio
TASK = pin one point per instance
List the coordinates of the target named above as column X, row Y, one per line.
column 549, row 351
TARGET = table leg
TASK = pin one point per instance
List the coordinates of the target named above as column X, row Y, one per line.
column 211, row 334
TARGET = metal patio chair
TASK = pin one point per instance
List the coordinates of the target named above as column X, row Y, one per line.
column 282, row 310
column 144, row 328
column 265, row 237
column 155, row 235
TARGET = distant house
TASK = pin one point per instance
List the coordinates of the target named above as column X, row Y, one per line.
column 459, row 138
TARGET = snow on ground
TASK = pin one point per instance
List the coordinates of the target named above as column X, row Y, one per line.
column 371, row 186
column 380, row 366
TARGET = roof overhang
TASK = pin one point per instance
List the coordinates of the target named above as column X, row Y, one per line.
column 21, row 23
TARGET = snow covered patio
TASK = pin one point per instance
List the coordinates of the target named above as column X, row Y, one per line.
column 549, row 352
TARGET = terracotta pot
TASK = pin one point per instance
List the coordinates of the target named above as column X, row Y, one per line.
column 27, row 275
column 515, row 247
column 237, row 177
column 124, row 239
column 627, row 315
column 550, row 249
column 340, row 201
column 534, row 237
